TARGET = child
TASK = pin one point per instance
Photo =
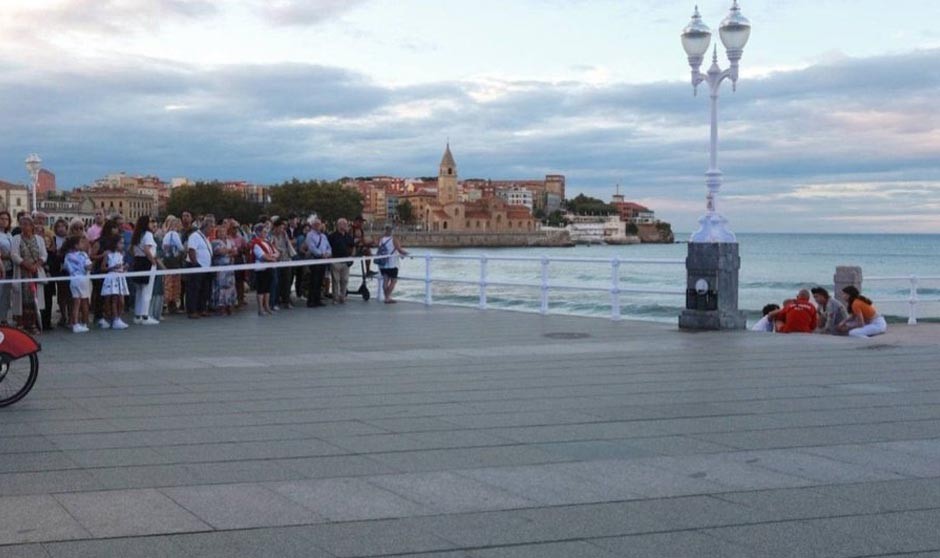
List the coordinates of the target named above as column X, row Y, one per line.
column 78, row 265
column 114, row 288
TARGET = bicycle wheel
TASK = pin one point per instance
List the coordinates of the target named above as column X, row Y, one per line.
column 17, row 378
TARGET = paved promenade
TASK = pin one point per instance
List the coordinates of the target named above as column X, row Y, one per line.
column 376, row 430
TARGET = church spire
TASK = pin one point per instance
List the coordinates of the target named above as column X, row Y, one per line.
column 447, row 162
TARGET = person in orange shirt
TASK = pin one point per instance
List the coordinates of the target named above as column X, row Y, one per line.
column 864, row 319
column 796, row 316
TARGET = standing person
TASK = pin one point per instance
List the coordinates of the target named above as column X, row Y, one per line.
column 114, row 286
column 864, row 319
column 28, row 253
column 241, row 252
column 281, row 242
column 300, row 272
column 109, row 234
column 199, row 285
column 263, row 252
column 224, row 294
column 53, row 259
column 6, row 269
column 830, row 312
column 388, row 267
column 318, row 248
column 78, row 265
column 55, row 248
column 94, row 231
column 363, row 244
column 173, row 255
column 342, row 245
column 145, row 259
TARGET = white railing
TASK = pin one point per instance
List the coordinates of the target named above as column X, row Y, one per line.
column 545, row 285
column 913, row 299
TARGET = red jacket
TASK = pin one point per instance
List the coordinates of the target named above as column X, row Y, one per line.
column 798, row 317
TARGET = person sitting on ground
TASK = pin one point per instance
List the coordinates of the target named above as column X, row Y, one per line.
column 796, row 316
column 830, row 312
column 766, row 323
column 864, row 321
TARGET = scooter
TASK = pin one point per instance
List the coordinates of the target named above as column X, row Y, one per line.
column 363, row 288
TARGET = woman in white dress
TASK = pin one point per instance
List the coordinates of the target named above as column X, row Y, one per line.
column 145, row 258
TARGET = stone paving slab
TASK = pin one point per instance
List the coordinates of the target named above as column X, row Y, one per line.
column 457, row 433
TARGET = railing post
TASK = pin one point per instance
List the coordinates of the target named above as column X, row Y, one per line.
column 483, row 282
column 912, row 315
column 544, row 301
column 427, row 280
column 615, row 290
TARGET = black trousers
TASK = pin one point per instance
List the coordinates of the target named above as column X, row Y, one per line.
column 198, row 292
column 49, row 293
column 285, row 278
column 316, row 285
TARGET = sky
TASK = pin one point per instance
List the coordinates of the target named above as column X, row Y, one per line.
column 833, row 127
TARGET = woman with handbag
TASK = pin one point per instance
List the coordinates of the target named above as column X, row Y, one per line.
column 145, row 259
column 28, row 252
column 173, row 255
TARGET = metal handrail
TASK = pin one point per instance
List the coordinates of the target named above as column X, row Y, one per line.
column 544, row 285
column 914, row 298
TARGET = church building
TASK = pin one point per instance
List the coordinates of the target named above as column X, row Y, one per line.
column 446, row 212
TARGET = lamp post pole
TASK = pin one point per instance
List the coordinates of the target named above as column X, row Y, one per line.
column 33, row 165
column 713, row 263
column 735, row 31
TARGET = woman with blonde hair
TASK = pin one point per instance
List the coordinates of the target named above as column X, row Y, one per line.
column 28, row 253
column 173, row 255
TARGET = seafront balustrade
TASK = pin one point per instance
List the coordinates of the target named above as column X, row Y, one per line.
column 914, row 299
column 456, row 272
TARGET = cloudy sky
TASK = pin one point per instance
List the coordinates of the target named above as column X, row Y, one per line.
column 834, row 126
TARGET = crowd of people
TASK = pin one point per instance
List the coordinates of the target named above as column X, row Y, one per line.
column 815, row 311
column 110, row 247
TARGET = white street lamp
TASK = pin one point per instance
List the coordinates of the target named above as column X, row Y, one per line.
column 735, row 31
column 33, row 165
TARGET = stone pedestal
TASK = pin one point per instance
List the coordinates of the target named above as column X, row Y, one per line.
column 846, row 275
column 712, row 295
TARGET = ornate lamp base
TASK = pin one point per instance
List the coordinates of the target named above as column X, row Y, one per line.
column 713, row 228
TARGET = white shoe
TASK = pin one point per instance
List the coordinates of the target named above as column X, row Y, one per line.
column 77, row 328
column 84, row 328
column 119, row 324
column 138, row 320
column 149, row 321
column 103, row 324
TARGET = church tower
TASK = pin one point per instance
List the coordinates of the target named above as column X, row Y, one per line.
column 447, row 179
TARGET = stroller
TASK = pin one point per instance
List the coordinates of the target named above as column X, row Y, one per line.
column 363, row 288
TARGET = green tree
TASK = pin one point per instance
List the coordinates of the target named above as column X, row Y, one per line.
column 329, row 200
column 212, row 197
column 585, row 205
column 406, row 212
column 557, row 219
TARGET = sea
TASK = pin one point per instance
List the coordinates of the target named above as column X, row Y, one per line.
column 773, row 267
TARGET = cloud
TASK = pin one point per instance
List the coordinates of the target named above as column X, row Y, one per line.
column 102, row 16
column 305, row 12
column 853, row 138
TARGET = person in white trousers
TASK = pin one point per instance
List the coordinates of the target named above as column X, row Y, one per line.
column 145, row 258
column 864, row 319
